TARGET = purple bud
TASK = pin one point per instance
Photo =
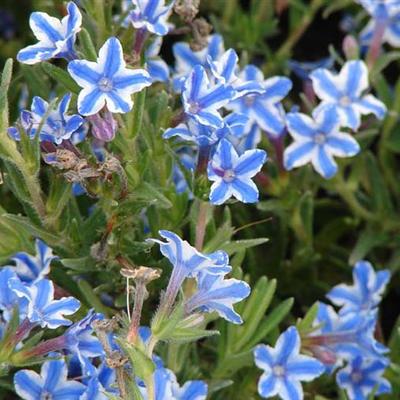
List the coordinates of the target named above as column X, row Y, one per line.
column 103, row 127
column 350, row 47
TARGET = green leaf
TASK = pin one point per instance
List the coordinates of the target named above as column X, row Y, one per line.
column 60, row 76
column 154, row 195
column 88, row 48
column 5, row 83
column 92, row 298
column 238, row 245
column 304, row 325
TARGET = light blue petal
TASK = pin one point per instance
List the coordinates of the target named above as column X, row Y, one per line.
column 69, row 391
column 195, row 82
column 245, row 191
column 296, row 154
column 212, row 119
column 324, row 85
column 350, row 117
column 287, row 345
column 292, row 390
column 277, row 88
column 39, row 106
column 267, row 385
column 250, row 163
column 219, row 193
column 370, row 104
column 84, row 72
column 226, row 154
column 28, row 384
column 53, row 372
column 111, row 57
column 44, row 25
column 328, row 119
column 217, row 97
column 268, row 117
column 301, row 125
column 87, row 104
column 74, row 18
column 117, row 103
column 324, row 163
column 193, row 390
column 356, row 77
column 73, row 124
column 345, row 146
column 305, row 369
column 158, row 70
column 35, row 53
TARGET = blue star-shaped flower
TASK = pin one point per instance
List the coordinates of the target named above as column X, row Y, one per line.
column 42, row 308
column 385, row 15
column 186, row 260
column 56, row 38
column 344, row 91
column 186, row 59
column 33, row 268
column 151, row 15
column 107, row 81
column 56, row 124
column 361, row 376
column 201, row 100
column 8, row 298
column 263, row 108
column 225, row 70
column 214, row 293
column 80, row 341
column 366, row 292
column 202, row 135
column 232, row 174
column 317, row 141
column 52, row 383
column 284, row 367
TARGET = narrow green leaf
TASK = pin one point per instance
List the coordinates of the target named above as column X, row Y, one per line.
column 60, row 76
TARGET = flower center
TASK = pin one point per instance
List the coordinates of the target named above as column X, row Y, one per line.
column 320, row 138
column 345, row 101
column 46, row 396
column 356, row 376
column 194, row 107
column 105, row 84
column 278, row 370
column 229, row 175
column 249, row 100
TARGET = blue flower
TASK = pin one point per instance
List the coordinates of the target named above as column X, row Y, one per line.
column 214, row 293
column 347, row 336
column 151, row 15
column 224, row 70
column 107, row 81
column 8, row 298
column 33, row 268
column 52, row 383
column 99, row 381
column 55, row 124
column 386, row 16
column 186, row 59
column 317, row 141
column 186, row 260
column 363, row 376
column 191, row 131
column 344, row 91
column 156, row 66
column 24, row 123
column 232, row 174
column 56, row 38
column 80, row 340
column 284, row 367
column 201, row 100
column 42, row 308
column 191, row 390
column 166, row 387
column 303, row 69
column 263, row 108
column 248, row 140
column 366, row 292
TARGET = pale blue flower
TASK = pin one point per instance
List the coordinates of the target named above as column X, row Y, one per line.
column 33, row 268
column 80, row 340
column 191, row 131
column 201, row 100
column 55, row 124
column 247, row 140
column 107, row 81
column 317, row 140
column 52, row 383
column 363, row 376
column 384, row 15
column 232, row 173
column 42, row 309
column 186, row 59
column 225, row 70
column 56, row 38
column 285, row 368
column 263, row 108
column 214, row 293
column 24, row 123
column 344, row 92
column 8, row 298
column 186, row 260
column 151, row 15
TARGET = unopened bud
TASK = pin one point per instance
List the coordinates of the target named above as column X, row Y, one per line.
column 104, row 126
column 350, row 47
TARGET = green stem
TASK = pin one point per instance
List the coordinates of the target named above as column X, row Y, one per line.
column 201, row 224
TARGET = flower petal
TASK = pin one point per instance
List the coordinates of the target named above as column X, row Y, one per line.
column 324, row 163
